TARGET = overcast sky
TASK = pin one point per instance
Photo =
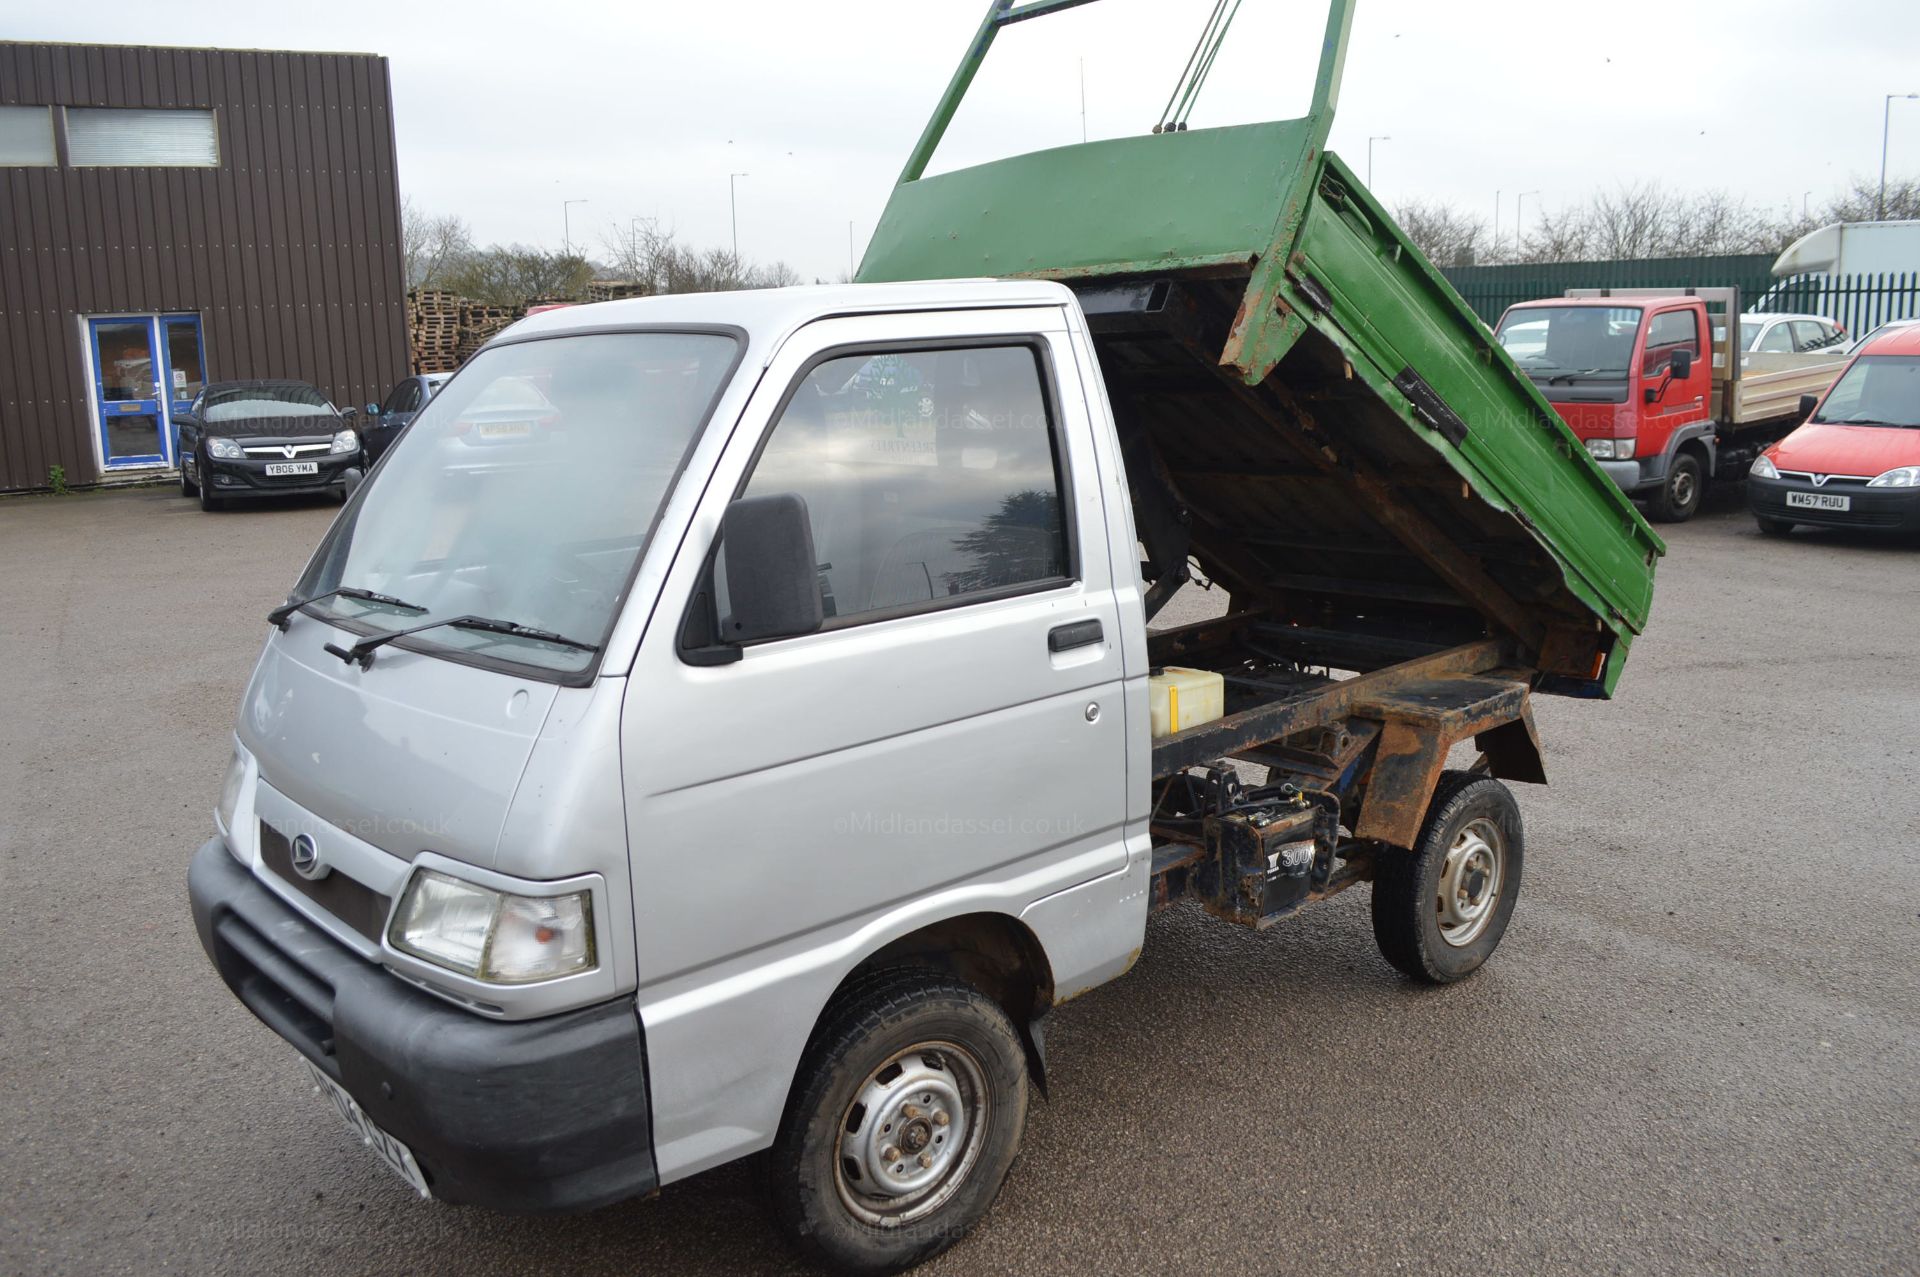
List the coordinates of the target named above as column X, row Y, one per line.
column 644, row 108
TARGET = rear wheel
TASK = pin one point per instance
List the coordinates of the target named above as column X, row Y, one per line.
column 1679, row 495
column 1440, row 910
column 904, row 1118
column 1772, row 527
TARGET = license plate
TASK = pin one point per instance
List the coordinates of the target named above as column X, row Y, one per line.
column 504, row 429
column 389, row 1150
column 1819, row 501
column 278, row 468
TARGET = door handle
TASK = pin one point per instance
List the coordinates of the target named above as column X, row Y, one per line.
column 1062, row 638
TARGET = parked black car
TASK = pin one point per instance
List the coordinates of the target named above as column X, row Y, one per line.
column 386, row 420
column 264, row 438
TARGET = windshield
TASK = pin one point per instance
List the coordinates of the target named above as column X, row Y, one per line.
column 1577, row 340
column 236, row 403
column 1878, row 390
column 525, row 492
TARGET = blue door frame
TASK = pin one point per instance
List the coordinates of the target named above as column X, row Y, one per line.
column 137, row 391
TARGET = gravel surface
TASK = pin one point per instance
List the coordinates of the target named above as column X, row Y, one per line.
column 1696, row 1051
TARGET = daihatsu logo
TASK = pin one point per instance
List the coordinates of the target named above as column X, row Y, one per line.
column 305, row 855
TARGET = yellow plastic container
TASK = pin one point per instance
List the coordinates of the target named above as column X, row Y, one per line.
column 1183, row 698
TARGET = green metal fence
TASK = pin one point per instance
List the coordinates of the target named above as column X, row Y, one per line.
column 1858, row 303
column 1491, row 289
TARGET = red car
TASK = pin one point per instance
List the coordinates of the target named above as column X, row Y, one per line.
column 1855, row 463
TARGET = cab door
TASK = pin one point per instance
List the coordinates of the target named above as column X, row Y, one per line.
column 951, row 741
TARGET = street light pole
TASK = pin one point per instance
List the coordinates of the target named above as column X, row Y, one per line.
column 566, row 222
column 1518, row 220
column 1381, row 137
column 733, row 208
column 1886, row 119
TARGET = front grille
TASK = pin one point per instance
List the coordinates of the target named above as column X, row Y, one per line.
column 296, row 1002
column 1833, row 480
column 354, row 903
column 280, row 450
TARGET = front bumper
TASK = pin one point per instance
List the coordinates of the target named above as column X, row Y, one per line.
column 249, row 478
column 1887, row 509
column 1629, row 476
column 531, row 1115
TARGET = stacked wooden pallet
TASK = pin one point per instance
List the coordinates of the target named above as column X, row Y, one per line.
column 433, row 330
column 479, row 322
column 606, row 290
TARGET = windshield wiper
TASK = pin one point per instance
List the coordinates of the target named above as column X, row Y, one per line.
column 1570, row 374
column 361, row 653
column 282, row 616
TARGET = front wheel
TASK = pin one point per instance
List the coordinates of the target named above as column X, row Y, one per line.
column 1680, row 493
column 1440, row 910
column 905, row 1116
column 187, row 486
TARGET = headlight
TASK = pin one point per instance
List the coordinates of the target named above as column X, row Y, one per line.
column 230, row 793
column 1623, row 449
column 1600, row 449
column 491, row 935
column 345, row 441
column 1763, row 469
column 226, row 449
column 1903, row 477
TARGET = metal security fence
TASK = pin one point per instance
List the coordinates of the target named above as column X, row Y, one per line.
column 1489, row 290
column 1858, row 303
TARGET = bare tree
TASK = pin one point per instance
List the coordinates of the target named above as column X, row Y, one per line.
column 1860, row 202
column 651, row 255
column 431, row 245
column 1446, row 235
column 513, row 275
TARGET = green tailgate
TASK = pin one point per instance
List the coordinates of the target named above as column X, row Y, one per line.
column 1352, row 352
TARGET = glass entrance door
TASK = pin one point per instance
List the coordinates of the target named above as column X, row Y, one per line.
column 185, row 371
column 126, row 378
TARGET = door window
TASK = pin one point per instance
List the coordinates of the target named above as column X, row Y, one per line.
column 929, row 476
column 1670, row 330
column 185, row 375
column 1777, row 340
column 127, row 384
column 1809, row 335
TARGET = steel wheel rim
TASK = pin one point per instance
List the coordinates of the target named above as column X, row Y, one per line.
column 928, row 1106
column 1471, row 877
column 1683, row 488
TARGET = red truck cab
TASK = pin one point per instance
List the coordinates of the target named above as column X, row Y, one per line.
column 1627, row 374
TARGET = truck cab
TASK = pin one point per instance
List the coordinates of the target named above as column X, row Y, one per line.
column 1628, row 377
column 1658, row 388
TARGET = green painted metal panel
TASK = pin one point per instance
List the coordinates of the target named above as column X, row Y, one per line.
column 1392, row 310
column 1118, row 206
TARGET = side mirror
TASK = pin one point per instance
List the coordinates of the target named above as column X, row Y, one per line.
column 348, row 414
column 773, row 578
column 1682, row 365
column 1807, row 404
column 373, row 410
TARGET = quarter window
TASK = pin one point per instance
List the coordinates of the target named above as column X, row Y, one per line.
column 928, row 475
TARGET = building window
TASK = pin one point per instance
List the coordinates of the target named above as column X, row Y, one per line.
column 99, row 137
column 26, row 136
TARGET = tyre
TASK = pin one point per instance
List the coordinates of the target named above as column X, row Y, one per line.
column 1772, row 527
column 1679, row 496
column 904, row 1117
column 187, row 486
column 208, row 501
column 1439, row 911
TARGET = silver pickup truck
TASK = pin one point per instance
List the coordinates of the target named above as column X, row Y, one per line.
column 722, row 723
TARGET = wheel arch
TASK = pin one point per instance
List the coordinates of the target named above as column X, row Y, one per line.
column 997, row 953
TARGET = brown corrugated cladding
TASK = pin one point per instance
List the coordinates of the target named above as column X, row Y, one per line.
column 289, row 250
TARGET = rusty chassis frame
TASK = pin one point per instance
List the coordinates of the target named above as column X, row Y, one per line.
column 1352, row 762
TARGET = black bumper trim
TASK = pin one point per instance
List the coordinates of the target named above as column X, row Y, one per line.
column 1879, row 509
column 521, row 1116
